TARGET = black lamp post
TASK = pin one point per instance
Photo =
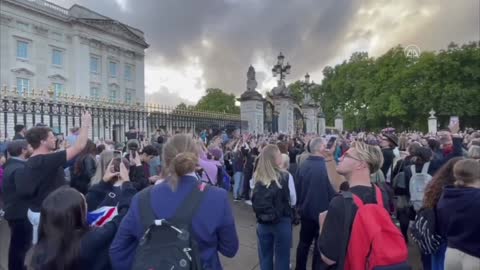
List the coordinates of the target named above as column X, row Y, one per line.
column 281, row 69
column 307, row 85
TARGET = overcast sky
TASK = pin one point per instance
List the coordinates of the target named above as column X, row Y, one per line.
column 197, row 44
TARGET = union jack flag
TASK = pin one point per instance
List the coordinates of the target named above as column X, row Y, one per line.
column 101, row 216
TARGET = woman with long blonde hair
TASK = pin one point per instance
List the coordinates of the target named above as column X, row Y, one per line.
column 271, row 203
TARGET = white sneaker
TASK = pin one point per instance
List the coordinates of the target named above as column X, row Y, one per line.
column 249, row 202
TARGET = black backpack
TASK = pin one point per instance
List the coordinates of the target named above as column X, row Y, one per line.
column 271, row 203
column 169, row 244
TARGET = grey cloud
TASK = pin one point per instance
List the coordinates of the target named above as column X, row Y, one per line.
column 309, row 32
column 163, row 96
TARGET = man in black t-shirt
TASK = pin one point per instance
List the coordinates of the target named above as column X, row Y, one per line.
column 44, row 170
column 355, row 166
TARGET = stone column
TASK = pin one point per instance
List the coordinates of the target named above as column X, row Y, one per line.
column 432, row 123
column 321, row 123
column 310, row 116
column 81, row 61
column 251, row 111
column 284, row 107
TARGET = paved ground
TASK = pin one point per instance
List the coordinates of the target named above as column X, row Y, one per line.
column 246, row 259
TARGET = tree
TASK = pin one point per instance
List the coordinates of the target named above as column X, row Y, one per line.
column 184, row 107
column 296, row 89
column 399, row 91
column 218, row 101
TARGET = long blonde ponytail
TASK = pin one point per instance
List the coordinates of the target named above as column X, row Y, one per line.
column 267, row 169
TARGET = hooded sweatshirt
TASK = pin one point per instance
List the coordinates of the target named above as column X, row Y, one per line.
column 458, row 219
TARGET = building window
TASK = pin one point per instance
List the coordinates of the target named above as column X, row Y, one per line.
column 23, row 86
column 57, row 57
column 113, row 95
column 94, row 64
column 22, row 49
column 113, row 69
column 57, row 89
column 94, row 92
column 129, row 96
column 128, row 72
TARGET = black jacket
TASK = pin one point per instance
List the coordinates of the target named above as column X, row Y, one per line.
column 15, row 207
column 102, row 194
column 96, row 243
column 81, row 181
column 137, row 177
column 106, row 194
column 388, row 157
column 18, row 136
column 458, row 220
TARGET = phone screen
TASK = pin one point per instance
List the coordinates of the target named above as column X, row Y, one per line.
column 454, row 121
column 331, row 142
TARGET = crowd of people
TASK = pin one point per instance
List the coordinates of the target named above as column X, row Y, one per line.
column 165, row 202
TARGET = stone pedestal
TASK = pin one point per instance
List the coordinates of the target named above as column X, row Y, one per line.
column 284, row 107
column 310, row 116
column 252, row 112
column 251, row 105
column 339, row 123
column 432, row 122
column 432, row 125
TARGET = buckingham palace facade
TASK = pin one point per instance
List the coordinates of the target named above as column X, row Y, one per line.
column 73, row 51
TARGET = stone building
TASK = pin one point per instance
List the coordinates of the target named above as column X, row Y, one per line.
column 73, row 51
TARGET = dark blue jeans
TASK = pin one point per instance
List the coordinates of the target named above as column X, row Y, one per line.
column 274, row 241
column 438, row 258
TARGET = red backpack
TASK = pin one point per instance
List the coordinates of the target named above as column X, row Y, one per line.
column 375, row 242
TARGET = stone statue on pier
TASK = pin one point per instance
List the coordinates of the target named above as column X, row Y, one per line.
column 251, row 81
column 251, row 105
column 251, row 93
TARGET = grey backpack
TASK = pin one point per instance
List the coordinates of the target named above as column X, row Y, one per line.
column 418, row 183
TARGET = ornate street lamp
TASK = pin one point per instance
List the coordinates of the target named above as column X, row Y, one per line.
column 307, row 86
column 281, row 69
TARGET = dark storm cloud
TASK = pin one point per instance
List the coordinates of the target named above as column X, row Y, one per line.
column 306, row 31
column 229, row 35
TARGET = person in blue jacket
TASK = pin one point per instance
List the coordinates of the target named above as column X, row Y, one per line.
column 213, row 224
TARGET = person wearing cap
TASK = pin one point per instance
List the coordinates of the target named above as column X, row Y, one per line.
column 388, row 143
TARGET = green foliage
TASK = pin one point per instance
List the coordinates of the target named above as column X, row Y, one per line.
column 395, row 90
column 296, row 89
column 216, row 100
